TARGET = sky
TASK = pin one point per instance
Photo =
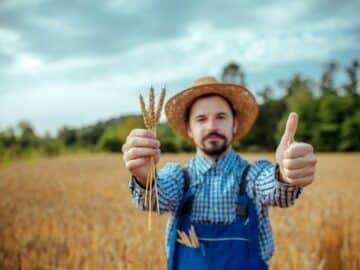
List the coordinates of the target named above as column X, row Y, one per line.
column 75, row 63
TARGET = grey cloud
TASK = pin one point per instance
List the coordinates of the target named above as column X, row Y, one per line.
column 98, row 30
column 92, row 29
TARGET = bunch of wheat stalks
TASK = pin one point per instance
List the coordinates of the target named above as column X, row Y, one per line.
column 190, row 240
column 151, row 119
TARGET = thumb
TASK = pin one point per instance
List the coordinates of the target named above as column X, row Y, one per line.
column 290, row 130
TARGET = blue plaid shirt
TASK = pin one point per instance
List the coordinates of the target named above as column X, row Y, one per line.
column 215, row 186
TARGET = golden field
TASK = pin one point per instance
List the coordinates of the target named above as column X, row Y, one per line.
column 75, row 212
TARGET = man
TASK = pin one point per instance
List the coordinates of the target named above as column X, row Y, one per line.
column 218, row 193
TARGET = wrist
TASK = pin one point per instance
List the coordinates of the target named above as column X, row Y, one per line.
column 278, row 175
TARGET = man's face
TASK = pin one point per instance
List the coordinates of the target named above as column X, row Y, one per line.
column 211, row 125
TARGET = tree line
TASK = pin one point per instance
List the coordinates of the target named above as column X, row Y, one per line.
column 329, row 119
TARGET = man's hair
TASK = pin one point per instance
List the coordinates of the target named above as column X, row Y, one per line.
column 188, row 109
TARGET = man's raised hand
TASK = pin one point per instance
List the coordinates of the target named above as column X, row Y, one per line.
column 297, row 160
column 139, row 146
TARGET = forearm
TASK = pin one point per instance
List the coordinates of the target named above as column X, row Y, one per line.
column 272, row 190
column 168, row 188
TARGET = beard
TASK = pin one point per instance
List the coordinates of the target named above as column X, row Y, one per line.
column 214, row 147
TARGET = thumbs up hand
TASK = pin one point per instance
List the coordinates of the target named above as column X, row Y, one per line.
column 296, row 160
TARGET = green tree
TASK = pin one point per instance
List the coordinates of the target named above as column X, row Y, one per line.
column 114, row 137
column 327, row 86
column 335, row 121
column 68, row 136
column 8, row 138
column 90, row 135
column 167, row 138
column 349, row 133
column 266, row 94
column 27, row 136
column 351, row 86
column 110, row 141
column 261, row 137
column 233, row 73
column 299, row 99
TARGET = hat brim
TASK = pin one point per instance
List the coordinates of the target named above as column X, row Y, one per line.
column 243, row 102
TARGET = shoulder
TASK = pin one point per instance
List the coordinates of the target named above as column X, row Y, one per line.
column 259, row 167
column 171, row 168
column 170, row 177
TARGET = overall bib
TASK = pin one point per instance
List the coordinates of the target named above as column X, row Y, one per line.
column 233, row 246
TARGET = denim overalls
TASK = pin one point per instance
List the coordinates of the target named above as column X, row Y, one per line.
column 222, row 246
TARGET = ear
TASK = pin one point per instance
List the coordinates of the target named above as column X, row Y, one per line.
column 235, row 125
column 189, row 132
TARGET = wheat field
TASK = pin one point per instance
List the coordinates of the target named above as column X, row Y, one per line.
column 75, row 212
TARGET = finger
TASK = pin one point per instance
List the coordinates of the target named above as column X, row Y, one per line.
column 142, row 142
column 299, row 173
column 299, row 162
column 301, row 182
column 290, row 129
column 145, row 133
column 135, row 163
column 138, row 152
column 298, row 150
column 157, row 157
column 139, row 142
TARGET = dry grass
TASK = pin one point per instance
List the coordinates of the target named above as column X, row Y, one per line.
column 75, row 212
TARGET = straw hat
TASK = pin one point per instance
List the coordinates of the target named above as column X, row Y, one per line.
column 242, row 100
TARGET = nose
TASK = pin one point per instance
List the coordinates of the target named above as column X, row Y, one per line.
column 211, row 124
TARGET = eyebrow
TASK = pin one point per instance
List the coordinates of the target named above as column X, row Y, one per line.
column 217, row 114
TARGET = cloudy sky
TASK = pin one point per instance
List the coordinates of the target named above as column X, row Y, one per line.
column 75, row 62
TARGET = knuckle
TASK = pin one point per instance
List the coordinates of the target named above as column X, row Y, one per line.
column 150, row 143
column 287, row 172
column 131, row 152
column 311, row 148
column 285, row 163
column 315, row 160
column 290, row 180
column 290, row 152
column 128, row 140
column 125, row 145
column 128, row 165
column 291, row 174
column 132, row 141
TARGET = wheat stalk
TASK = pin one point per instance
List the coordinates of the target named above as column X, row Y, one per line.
column 160, row 104
column 144, row 112
column 190, row 240
column 151, row 119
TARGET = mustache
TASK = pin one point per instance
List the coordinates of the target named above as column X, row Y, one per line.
column 214, row 134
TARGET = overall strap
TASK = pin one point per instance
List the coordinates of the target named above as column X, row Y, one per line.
column 187, row 207
column 242, row 209
column 244, row 181
column 186, row 179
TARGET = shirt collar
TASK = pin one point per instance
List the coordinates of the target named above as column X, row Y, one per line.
column 226, row 163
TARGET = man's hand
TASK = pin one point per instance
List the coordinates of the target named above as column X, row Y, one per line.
column 139, row 146
column 296, row 160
